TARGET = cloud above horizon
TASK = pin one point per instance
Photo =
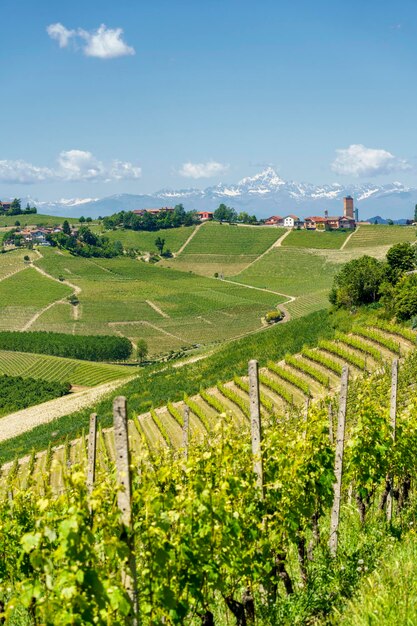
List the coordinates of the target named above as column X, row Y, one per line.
column 358, row 160
column 202, row 170
column 102, row 43
column 72, row 166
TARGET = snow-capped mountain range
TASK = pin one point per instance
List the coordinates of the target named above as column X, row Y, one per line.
column 263, row 194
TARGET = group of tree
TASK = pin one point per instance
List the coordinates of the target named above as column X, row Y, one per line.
column 85, row 243
column 227, row 214
column 85, row 347
column 151, row 221
column 392, row 282
column 18, row 393
column 16, row 208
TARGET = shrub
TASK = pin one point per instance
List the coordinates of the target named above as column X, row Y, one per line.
column 272, row 317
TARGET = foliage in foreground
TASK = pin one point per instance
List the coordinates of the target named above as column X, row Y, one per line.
column 206, row 543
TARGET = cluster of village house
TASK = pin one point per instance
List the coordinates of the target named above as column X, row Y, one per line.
column 39, row 235
column 347, row 220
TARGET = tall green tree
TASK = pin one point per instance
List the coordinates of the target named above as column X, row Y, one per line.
column 66, row 228
column 358, row 282
column 159, row 244
column 401, row 258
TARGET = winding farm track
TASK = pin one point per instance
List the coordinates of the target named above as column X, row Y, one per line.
column 20, row 269
column 25, row 420
column 193, row 234
column 342, row 247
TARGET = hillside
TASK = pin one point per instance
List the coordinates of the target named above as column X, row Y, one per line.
column 206, row 507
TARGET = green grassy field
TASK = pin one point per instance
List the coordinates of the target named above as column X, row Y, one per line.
column 73, row 371
column 223, row 239
column 381, row 235
column 292, row 271
column 158, row 384
column 13, row 261
column 26, row 293
column 168, row 308
column 313, row 239
column 37, row 219
column 145, row 241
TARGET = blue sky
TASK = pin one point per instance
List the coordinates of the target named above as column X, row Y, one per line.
column 191, row 93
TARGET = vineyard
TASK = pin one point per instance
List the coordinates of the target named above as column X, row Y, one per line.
column 265, row 498
column 45, row 367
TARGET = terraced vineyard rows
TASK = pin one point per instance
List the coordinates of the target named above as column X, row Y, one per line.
column 82, row 373
column 379, row 235
column 289, row 383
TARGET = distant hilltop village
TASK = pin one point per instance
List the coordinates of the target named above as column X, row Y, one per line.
column 347, row 221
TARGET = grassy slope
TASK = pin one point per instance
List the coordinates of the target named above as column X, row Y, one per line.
column 35, row 220
column 294, row 271
column 12, row 261
column 24, row 294
column 197, row 309
column 215, row 238
column 45, row 367
column 313, row 239
column 145, row 241
column 379, row 235
column 156, row 385
column 389, row 595
column 224, row 249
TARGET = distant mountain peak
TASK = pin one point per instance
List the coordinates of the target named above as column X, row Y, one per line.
column 263, row 194
column 268, row 178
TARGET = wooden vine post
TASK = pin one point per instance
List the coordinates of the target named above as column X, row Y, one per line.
column 186, row 431
column 331, row 435
column 124, row 498
column 255, row 420
column 338, row 463
column 393, row 426
column 91, row 460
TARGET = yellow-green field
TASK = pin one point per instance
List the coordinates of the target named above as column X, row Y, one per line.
column 145, row 241
column 167, row 308
column 73, row 371
column 381, row 235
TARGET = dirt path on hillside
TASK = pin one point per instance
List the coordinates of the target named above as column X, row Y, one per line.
column 15, row 272
column 156, row 308
column 25, row 420
column 347, row 238
column 76, row 288
column 276, row 244
column 193, row 234
column 41, row 312
column 277, row 293
column 161, row 330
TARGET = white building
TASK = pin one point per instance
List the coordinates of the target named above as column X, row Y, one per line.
column 289, row 221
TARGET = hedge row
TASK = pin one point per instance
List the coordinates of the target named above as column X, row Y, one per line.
column 85, row 347
column 18, row 393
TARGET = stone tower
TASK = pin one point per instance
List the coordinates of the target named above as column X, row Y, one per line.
column 348, row 210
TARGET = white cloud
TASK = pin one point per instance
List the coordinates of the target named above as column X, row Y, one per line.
column 103, row 43
column 202, row 170
column 20, row 172
column 73, row 166
column 358, row 160
column 60, row 33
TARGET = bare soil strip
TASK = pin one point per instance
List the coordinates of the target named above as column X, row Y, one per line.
column 156, row 308
column 193, row 234
column 347, row 238
column 22, row 421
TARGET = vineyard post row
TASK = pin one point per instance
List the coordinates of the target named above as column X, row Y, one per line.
column 123, row 461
